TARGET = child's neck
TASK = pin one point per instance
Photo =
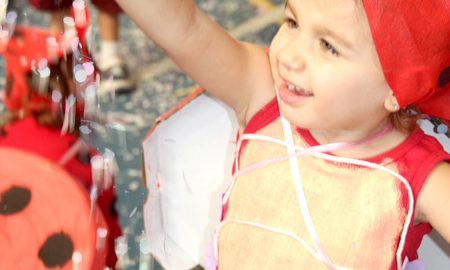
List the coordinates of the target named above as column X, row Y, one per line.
column 374, row 141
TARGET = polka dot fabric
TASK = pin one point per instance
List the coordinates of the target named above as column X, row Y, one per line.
column 45, row 217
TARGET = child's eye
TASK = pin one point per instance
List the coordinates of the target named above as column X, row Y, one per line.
column 328, row 47
column 291, row 23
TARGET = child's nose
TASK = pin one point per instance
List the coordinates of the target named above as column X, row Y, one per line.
column 292, row 56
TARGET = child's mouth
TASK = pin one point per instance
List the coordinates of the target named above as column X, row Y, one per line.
column 297, row 90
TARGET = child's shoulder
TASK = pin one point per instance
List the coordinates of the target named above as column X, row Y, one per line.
column 433, row 203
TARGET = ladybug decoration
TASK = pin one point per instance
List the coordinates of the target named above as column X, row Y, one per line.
column 46, row 220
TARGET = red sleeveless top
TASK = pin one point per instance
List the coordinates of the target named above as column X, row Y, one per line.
column 414, row 159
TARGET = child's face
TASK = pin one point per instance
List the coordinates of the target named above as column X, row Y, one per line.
column 326, row 68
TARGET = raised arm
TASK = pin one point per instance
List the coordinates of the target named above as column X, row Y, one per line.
column 230, row 70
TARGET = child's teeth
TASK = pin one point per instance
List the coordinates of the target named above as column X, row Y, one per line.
column 293, row 87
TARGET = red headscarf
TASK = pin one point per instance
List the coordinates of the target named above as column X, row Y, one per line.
column 412, row 39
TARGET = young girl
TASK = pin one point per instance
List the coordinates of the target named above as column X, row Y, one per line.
column 332, row 171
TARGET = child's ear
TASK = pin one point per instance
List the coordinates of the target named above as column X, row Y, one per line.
column 391, row 103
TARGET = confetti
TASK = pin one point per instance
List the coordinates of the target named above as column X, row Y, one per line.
column 10, row 20
column 3, row 5
column 133, row 212
column 89, row 68
column 56, row 101
column 80, row 15
column 79, row 73
column 90, row 101
column 134, row 185
column 102, row 233
column 144, row 245
column 97, row 165
column 44, row 76
column 85, row 130
column 121, row 245
column 77, row 258
column 69, row 115
column 69, row 24
column 110, row 168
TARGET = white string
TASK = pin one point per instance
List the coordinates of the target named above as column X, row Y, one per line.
column 71, row 152
column 297, row 185
column 398, row 176
column 277, row 231
column 296, row 178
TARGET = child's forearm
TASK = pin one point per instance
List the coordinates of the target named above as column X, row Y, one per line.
column 227, row 68
column 182, row 30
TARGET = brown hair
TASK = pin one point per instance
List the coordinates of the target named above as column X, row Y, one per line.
column 405, row 120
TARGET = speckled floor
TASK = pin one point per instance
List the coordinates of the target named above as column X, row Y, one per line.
column 160, row 85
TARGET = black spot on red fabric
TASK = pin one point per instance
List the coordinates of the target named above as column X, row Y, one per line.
column 444, row 77
column 14, row 200
column 56, row 251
